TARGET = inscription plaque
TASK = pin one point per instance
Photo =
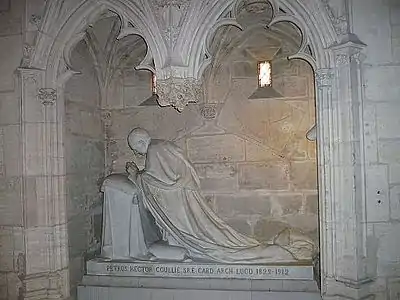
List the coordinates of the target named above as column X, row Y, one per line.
column 197, row 270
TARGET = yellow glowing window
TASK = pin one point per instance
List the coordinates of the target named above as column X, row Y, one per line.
column 264, row 74
column 154, row 83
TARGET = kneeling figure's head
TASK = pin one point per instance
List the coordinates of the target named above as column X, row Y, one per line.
column 139, row 140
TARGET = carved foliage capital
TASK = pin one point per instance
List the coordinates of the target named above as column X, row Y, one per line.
column 324, row 78
column 47, row 96
column 178, row 92
column 342, row 59
column 346, row 55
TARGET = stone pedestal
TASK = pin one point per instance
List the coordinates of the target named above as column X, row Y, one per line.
column 179, row 281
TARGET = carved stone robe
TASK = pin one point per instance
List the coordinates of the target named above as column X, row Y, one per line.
column 172, row 195
column 128, row 229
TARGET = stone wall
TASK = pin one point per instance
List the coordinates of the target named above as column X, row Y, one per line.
column 257, row 169
column 130, row 89
column 84, row 150
column 12, row 247
column 381, row 70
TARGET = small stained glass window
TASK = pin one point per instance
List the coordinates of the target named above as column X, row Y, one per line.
column 154, row 83
column 264, row 74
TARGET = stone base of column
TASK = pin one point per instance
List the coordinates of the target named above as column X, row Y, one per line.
column 47, row 286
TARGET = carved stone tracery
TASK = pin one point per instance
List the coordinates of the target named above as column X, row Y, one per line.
column 170, row 14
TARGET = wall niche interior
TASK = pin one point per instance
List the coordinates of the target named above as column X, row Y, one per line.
column 257, row 169
column 102, row 63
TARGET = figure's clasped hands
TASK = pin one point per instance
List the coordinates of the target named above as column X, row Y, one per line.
column 132, row 170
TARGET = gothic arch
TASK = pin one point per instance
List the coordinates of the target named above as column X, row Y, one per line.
column 51, row 54
column 333, row 62
column 311, row 18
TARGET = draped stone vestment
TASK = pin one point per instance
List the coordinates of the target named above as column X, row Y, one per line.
column 128, row 230
column 172, row 195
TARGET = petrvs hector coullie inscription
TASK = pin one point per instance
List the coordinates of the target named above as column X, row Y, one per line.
column 185, row 270
column 200, row 271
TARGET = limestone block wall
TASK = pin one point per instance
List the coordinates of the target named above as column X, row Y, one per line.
column 11, row 205
column 381, row 71
column 84, row 149
column 257, row 169
column 127, row 92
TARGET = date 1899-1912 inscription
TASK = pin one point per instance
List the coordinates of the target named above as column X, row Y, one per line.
column 208, row 271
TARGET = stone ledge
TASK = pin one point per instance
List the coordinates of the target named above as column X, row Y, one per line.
column 115, row 293
column 201, row 284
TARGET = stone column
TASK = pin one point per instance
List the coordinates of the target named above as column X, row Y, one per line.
column 345, row 266
column 323, row 82
column 46, row 256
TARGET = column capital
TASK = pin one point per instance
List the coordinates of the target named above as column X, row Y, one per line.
column 324, row 78
column 347, row 51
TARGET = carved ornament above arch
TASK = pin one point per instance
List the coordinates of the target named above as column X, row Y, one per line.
column 177, row 33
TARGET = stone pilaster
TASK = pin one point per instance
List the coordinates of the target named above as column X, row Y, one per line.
column 324, row 81
column 345, row 266
column 46, row 256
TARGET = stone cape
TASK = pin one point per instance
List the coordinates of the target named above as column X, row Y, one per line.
column 199, row 270
column 173, row 197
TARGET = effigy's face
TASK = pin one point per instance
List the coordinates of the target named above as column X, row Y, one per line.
column 141, row 145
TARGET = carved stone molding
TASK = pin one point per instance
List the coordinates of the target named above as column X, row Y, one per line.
column 209, row 111
column 47, row 96
column 256, row 6
column 27, row 54
column 178, row 92
column 342, row 59
column 35, row 20
column 324, row 78
column 358, row 56
column 171, row 33
column 345, row 58
column 347, row 52
column 170, row 14
column 165, row 3
column 339, row 20
column 106, row 117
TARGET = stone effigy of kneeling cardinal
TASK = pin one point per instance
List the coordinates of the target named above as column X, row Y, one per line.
column 166, row 216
